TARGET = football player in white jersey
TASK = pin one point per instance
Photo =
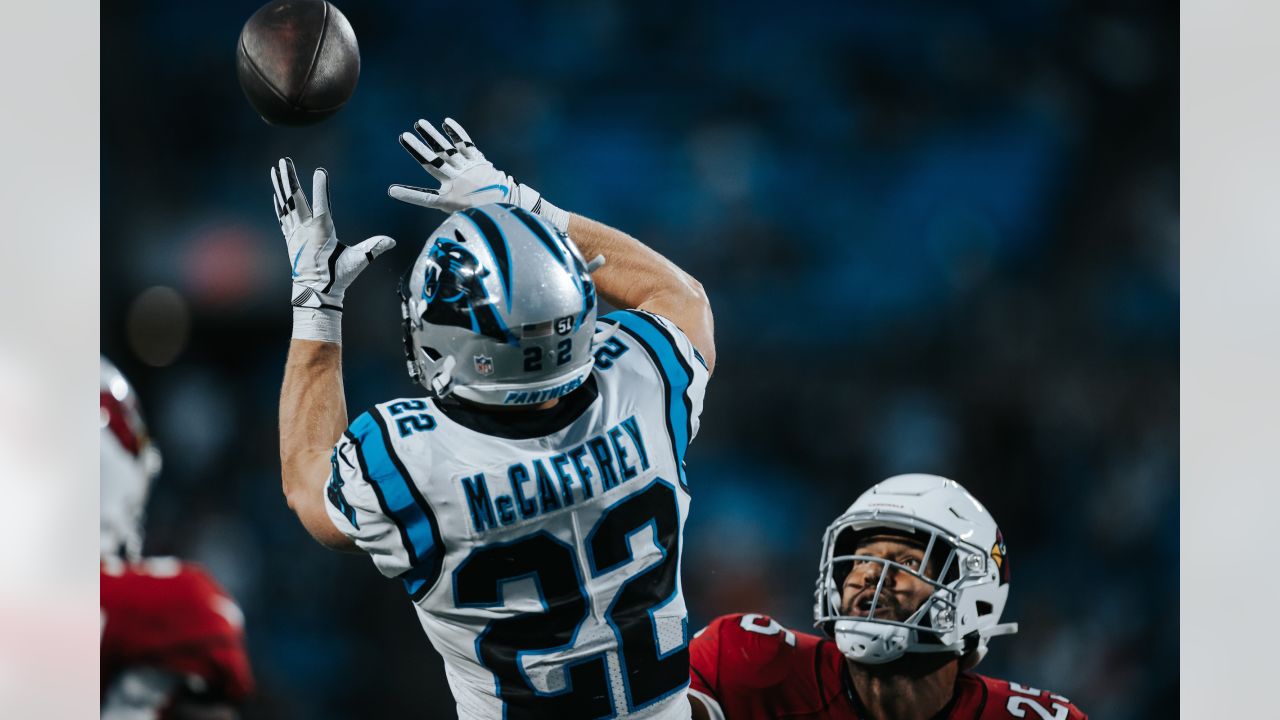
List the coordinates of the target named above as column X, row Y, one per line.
column 533, row 501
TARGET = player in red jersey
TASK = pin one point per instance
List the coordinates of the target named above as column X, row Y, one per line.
column 172, row 640
column 912, row 581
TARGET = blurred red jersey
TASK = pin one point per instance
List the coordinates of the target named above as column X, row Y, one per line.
column 168, row 629
column 755, row 669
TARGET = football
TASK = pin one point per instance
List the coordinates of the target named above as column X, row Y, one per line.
column 297, row 61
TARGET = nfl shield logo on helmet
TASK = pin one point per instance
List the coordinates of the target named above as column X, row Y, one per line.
column 484, row 364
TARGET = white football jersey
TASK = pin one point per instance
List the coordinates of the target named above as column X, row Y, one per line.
column 542, row 549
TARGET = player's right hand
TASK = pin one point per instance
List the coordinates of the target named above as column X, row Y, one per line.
column 322, row 266
column 466, row 178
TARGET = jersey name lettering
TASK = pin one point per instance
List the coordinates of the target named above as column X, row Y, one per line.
column 601, row 463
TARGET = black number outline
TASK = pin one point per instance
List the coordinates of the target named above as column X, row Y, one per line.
column 674, row 664
column 651, row 507
column 519, row 698
column 410, row 424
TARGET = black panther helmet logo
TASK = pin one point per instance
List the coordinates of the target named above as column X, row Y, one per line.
column 454, row 293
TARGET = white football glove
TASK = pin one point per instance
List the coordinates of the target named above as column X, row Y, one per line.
column 466, row 178
column 323, row 268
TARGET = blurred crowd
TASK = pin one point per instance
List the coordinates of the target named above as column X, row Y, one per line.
column 938, row 237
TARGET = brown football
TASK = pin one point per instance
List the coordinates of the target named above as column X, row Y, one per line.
column 297, row 61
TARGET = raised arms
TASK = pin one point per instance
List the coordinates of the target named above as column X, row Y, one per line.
column 313, row 408
column 634, row 275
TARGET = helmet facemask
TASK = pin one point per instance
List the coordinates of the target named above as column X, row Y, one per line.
column 426, row 366
column 941, row 623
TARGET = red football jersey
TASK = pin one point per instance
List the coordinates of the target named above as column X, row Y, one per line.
column 755, row 669
column 168, row 628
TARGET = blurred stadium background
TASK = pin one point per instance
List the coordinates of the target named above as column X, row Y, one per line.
column 936, row 239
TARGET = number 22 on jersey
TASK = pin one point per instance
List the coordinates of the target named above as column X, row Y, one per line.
column 551, row 563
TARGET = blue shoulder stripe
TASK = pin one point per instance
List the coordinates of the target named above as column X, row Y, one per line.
column 676, row 374
column 400, row 499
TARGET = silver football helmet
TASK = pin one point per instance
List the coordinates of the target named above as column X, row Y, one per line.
column 966, row 564
column 129, row 464
column 499, row 308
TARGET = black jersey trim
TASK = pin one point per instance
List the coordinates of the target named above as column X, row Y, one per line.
column 817, row 674
column 377, row 494
column 431, row 573
column 684, row 365
column 669, row 383
column 983, row 704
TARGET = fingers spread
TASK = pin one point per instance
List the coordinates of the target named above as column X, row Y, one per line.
column 435, row 140
column 428, row 158
column 461, row 139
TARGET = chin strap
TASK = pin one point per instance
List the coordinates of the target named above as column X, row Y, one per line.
column 439, row 376
column 1001, row 629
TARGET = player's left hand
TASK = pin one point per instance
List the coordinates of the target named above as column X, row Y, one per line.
column 323, row 267
column 467, row 178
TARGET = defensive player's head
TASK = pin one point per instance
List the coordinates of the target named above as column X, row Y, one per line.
column 915, row 565
column 498, row 309
column 129, row 463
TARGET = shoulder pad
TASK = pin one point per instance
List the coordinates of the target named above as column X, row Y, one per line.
column 755, row 651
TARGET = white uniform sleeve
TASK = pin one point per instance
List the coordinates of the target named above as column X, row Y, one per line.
column 373, row 500
column 684, row 372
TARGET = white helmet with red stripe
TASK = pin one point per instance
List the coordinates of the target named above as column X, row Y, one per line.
column 129, row 463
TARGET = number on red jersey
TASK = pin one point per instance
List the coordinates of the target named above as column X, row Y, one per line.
column 1012, row 700
column 753, row 668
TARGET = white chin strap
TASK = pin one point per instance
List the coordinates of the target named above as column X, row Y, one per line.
column 1001, row 629
column 440, row 376
column 870, row 643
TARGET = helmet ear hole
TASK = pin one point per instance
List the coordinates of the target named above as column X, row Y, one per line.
column 432, row 353
column 984, row 608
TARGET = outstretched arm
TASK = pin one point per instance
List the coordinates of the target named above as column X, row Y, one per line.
column 313, row 407
column 313, row 414
column 634, row 276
